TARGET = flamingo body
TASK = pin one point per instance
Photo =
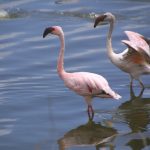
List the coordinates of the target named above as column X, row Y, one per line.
column 134, row 60
column 89, row 85
column 86, row 84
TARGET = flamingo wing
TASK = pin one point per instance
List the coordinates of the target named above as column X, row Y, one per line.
column 132, row 35
column 139, row 42
column 135, row 56
column 138, row 48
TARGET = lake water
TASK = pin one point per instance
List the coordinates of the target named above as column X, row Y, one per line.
column 37, row 112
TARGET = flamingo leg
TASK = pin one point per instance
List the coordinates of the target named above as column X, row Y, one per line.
column 131, row 81
column 90, row 112
column 131, row 91
column 141, row 84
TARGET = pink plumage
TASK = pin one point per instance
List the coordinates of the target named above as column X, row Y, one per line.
column 89, row 84
column 86, row 84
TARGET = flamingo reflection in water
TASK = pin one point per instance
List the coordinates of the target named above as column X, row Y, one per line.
column 134, row 60
column 90, row 134
column 86, row 84
column 136, row 114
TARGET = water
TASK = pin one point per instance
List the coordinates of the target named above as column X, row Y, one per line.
column 36, row 110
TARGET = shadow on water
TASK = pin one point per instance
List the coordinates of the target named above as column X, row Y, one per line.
column 136, row 113
column 135, row 110
column 90, row 134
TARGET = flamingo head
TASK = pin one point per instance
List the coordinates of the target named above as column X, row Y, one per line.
column 106, row 17
column 56, row 30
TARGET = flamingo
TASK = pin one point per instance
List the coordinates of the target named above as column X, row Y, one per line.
column 135, row 60
column 86, row 84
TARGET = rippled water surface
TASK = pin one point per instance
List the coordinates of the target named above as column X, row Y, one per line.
column 37, row 112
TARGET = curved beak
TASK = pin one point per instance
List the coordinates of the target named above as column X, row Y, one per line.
column 99, row 19
column 47, row 31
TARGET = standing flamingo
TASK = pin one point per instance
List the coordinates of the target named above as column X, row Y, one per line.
column 134, row 60
column 86, row 84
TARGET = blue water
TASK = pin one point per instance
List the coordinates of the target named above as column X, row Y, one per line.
column 37, row 112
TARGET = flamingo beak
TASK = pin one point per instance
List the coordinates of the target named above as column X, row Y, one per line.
column 99, row 19
column 47, row 31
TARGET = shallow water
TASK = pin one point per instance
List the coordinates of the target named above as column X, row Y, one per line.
column 36, row 110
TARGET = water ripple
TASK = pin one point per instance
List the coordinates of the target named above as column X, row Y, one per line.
column 4, row 55
column 7, row 126
column 10, row 35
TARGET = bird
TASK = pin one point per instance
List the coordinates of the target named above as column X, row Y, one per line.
column 135, row 59
column 86, row 84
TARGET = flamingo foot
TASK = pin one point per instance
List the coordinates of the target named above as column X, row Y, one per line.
column 90, row 112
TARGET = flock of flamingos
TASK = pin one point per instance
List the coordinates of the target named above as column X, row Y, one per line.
column 135, row 60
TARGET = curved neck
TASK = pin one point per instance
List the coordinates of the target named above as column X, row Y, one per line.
column 60, row 61
column 109, row 38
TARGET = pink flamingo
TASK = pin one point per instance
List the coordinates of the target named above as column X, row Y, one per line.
column 86, row 84
column 134, row 60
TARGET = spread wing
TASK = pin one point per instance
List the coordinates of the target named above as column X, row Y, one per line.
column 133, row 35
column 138, row 45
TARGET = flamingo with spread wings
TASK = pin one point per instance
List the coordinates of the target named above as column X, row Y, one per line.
column 134, row 60
column 86, row 84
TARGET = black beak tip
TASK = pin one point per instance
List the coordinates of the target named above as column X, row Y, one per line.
column 45, row 33
column 43, row 36
column 95, row 24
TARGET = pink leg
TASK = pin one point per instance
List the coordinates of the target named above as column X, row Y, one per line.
column 90, row 112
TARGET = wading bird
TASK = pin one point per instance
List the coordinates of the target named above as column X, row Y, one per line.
column 86, row 84
column 134, row 60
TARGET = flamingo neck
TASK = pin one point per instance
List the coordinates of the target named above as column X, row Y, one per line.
column 109, row 39
column 60, row 62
